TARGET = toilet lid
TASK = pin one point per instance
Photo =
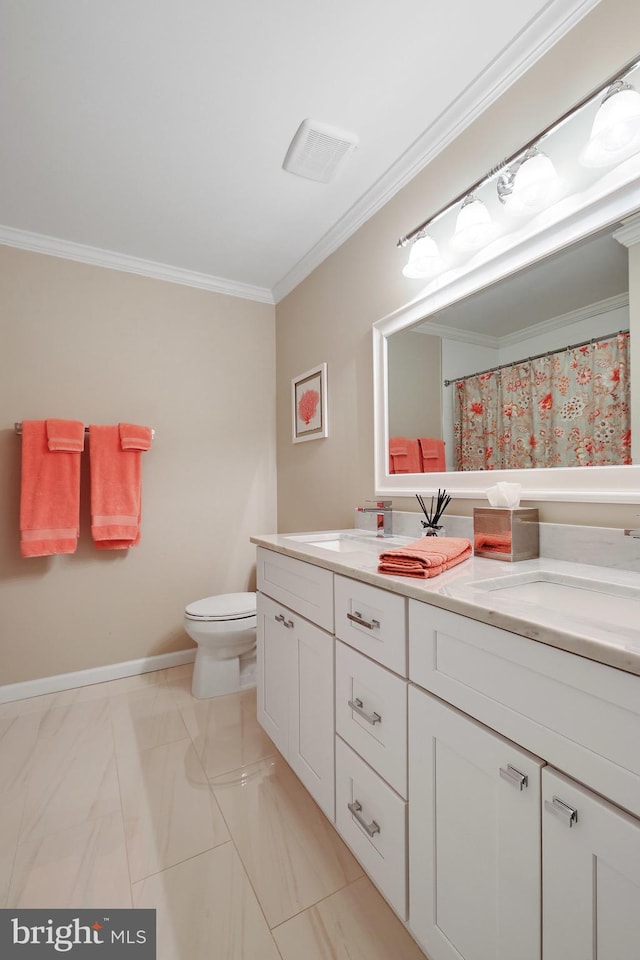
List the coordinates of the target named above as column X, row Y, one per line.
column 224, row 606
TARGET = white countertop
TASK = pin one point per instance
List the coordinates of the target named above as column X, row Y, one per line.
column 587, row 630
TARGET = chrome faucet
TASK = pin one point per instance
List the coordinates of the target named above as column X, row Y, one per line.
column 633, row 533
column 383, row 509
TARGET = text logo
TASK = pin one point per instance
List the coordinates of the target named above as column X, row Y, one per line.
column 108, row 934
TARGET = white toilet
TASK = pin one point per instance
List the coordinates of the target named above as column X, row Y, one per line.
column 224, row 627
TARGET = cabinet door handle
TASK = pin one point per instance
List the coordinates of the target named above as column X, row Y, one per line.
column 371, row 718
column 561, row 809
column 356, row 617
column 369, row 828
column 280, row 617
column 511, row 775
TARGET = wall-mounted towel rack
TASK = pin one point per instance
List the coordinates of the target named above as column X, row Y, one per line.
column 18, row 429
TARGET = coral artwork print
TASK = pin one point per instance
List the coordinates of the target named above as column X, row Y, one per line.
column 307, row 405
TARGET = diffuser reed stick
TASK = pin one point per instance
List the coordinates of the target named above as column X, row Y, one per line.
column 431, row 524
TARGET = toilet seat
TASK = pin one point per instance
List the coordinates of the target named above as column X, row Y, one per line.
column 226, row 606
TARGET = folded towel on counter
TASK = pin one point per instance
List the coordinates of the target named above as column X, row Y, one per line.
column 404, row 456
column 135, row 437
column 432, row 454
column 66, row 435
column 116, row 494
column 426, row 557
column 50, row 492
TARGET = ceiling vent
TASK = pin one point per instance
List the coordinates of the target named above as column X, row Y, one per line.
column 317, row 150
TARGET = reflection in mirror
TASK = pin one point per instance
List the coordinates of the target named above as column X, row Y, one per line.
column 491, row 379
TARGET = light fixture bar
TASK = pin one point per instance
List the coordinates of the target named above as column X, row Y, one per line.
column 495, row 171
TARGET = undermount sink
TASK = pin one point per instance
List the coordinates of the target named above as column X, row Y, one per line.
column 345, row 541
column 597, row 600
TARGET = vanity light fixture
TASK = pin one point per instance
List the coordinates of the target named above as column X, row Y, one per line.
column 530, row 184
column 527, row 181
column 424, row 258
column 474, row 227
column 615, row 134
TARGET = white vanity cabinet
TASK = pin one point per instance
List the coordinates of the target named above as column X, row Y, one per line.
column 590, row 875
column 371, row 727
column 474, row 829
column 489, row 784
column 478, row 887
column 295, row 671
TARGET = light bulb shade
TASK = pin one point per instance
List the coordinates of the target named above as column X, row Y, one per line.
column 424, row 259
column 615, row 134
column 474, row 227
column 536, row 184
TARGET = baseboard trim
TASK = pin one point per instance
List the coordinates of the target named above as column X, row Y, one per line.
column 83, row 678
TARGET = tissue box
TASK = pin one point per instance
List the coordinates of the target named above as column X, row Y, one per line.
column 504, row 533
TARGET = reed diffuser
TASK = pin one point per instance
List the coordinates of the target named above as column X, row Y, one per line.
column 431, row 524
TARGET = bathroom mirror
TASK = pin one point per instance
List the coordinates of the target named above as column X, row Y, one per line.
column 552, row 283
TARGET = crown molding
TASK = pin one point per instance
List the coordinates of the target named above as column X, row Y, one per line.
column 455, row 333
column 67, row 250
column 629, row 233
column 560, row 322
column 523, row 52
column 617, row 302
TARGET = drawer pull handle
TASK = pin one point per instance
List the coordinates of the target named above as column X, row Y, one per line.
column 369, row 828
column 371, row 718
column 280, row 618
column 511, row 775
column 356, row 617
column 561, row 809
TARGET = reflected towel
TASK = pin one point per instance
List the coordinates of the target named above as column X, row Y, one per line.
column 116, row 494
column 426, row 557
column 432, row 454
column 49, row 496
column 495, row 542
column 67, row 435
column 404, row 456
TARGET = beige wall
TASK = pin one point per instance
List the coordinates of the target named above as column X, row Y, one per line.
column 329, row 316
column 101, row 346
column 414, row 371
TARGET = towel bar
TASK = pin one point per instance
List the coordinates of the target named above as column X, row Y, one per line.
column 18, row 429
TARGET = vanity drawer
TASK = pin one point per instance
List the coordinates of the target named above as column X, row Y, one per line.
column 373, row 621
column 581, row 716
column 373, row 822
column 376, row 726
column 303, row 587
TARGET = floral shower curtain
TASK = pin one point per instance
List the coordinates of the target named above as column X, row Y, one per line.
column 566, row 409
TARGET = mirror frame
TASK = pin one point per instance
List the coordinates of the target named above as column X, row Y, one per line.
column 614, row 198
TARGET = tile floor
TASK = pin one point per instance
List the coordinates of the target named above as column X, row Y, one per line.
column 133, row 793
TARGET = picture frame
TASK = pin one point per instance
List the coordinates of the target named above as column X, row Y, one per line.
column 309, row 405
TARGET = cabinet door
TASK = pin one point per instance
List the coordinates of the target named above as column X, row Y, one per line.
column 274, row 658
column 474, row 838
column 312, row 735
column 591, row 875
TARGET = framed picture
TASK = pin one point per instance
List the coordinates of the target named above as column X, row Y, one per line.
column 309, row 405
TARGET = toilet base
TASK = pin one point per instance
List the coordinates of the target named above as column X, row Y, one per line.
column 218, row 678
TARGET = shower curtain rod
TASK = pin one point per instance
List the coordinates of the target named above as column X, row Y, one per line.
column 18, row 429
column 538, row 356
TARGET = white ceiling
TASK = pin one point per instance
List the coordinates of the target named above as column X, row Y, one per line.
column 150, row 134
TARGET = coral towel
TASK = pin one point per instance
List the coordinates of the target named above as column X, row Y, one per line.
column 116, row 494
column 432, row 454
column 134, row 437
column 404, row 455
column 426, row 557
column 50, row 492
